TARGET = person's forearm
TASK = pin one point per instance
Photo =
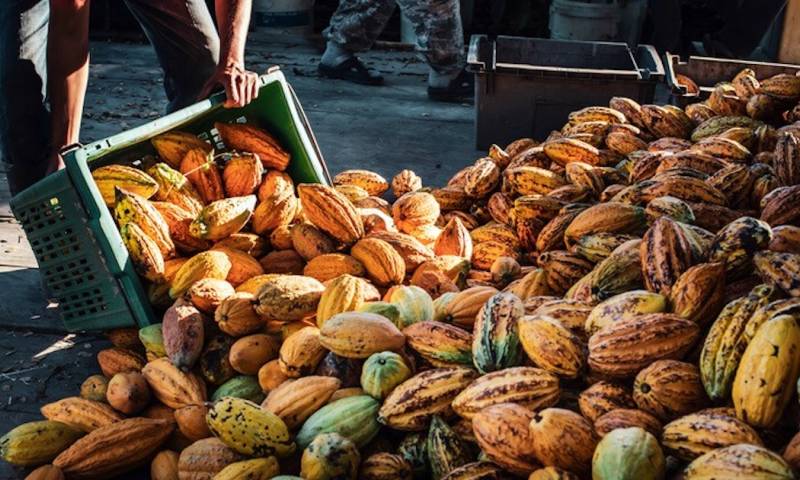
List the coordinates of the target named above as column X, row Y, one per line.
column 233, row 20
column 241, row 85
column 67, row 68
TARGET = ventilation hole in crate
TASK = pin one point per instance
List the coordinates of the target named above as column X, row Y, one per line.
column 214, row 138
column 90, row 303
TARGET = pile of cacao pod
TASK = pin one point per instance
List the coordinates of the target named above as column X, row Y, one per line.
column 618, row 301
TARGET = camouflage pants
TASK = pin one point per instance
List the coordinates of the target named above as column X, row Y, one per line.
column 437, row 23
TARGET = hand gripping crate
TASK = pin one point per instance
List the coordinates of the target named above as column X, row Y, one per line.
column 72, row 233
column 526, row 87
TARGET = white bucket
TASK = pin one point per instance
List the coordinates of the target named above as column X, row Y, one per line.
column 293, row 17
column 579, row 20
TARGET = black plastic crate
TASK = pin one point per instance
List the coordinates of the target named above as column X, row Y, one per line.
column 526, row 87
column 707, row 72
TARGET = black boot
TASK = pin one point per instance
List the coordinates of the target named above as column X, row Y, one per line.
column 351, row 70
column 460, row 89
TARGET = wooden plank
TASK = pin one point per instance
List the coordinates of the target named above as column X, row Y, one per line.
column 789, row 50
column 15, row 251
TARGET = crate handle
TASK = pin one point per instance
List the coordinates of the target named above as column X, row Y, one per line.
column 672, row 80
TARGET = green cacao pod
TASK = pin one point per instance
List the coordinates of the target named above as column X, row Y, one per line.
column 153, row 340
column 388, row 310
column 241, row 386
column 628, row 454
column 382, row 372
column 414, row 449
column 415, row 304
column 495, row 338
column 446, row 451
column 354, row 418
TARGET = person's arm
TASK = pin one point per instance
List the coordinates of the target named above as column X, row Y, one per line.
column 233, row 21
column 67, row 72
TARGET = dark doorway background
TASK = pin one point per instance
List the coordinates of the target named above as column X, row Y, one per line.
column 111, row 20
column 681, row 25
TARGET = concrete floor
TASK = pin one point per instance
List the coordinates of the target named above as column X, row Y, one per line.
column 385, row 129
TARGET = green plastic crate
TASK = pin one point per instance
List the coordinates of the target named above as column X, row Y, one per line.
column 72, row 233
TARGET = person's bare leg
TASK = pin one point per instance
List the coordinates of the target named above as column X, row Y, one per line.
column 68, row 73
